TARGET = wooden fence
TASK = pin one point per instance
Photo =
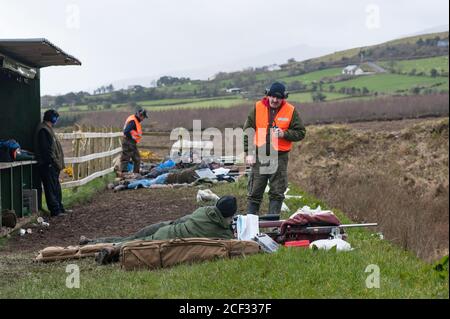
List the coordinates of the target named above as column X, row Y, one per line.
column 94, row 153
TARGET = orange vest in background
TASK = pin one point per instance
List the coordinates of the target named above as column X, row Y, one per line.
column 282, row 120
column 136, row 134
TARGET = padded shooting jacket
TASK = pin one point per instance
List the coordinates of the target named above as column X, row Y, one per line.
column 205, row 222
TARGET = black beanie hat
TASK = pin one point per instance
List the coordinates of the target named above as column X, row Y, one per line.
column 278, row 90
column 227, row 206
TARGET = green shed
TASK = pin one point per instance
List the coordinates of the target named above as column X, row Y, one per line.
column 20, row 113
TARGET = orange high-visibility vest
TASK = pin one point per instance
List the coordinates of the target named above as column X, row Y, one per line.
column 282, row 120
column 135, row 134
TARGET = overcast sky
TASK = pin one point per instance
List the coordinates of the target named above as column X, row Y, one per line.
column 117, row 40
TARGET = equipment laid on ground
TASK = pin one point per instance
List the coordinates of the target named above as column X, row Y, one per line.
column 282, row 231
column 156, row 254
column 266, row 243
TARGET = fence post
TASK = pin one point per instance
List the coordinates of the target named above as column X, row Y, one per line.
column 76, row 153
column 105, row 148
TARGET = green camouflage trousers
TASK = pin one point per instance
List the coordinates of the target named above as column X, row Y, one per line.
column 278, row 181
column 129, row 151
column 141, row 234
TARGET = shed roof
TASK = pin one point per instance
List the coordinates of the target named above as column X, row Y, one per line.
column 37, row 53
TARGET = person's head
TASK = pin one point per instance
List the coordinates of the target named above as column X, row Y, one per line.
column 141, row 114
column 276, row 94
column 51, row 117
column 227, row 205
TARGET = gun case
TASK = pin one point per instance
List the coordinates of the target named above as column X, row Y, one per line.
column 166, row 253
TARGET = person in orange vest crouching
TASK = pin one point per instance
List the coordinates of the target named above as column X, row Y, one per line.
column 276, row 124
column 132, row 132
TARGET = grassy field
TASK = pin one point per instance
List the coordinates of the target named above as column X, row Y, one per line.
column 307, row 97
column 392, row 83
column 288, row 273
column 313, row 76
column 420, row 65
column 196, row 104
column 173, row 103
column 231, row 102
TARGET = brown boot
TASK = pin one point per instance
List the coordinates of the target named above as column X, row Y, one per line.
column 108, row 255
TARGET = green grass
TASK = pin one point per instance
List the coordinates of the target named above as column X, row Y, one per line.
column 166, row 104
column 176, row 102
column 391, row 83
column 313, row 76
column 420, row 65
column 307, row 97
column 288, row 273
column 197, row 104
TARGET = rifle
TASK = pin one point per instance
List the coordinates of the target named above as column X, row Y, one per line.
column 307, row 232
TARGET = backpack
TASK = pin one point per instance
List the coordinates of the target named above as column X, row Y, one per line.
column 8, row 150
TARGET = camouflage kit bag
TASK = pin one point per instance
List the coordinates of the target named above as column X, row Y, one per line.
column 166, row 253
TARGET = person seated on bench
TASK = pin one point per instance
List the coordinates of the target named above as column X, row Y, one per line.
column 205, row 222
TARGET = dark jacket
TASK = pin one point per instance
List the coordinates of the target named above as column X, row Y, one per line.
column 131, row 126
column 48, row 149
column 205, row 222
column 295, row 133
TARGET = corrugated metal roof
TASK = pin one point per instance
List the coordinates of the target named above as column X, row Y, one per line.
column 37, row 53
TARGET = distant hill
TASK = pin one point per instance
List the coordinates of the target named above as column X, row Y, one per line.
column 299, row 53
column 411, row 65
column 408, row 43
column 438, row 29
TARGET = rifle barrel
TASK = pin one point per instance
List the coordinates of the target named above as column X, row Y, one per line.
column 346, row 226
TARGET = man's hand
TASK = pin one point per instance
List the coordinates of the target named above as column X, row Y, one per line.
column 250, row 160
column 278, row 133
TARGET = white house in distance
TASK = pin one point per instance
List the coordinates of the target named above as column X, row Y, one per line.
column 273, row 67
column 234, row 90
column 353, row 70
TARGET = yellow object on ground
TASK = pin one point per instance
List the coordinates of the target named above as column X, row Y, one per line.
column 69, row 171
column 148, row 156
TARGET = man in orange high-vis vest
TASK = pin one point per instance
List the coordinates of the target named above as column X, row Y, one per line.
column 277, row 125
column 132, row 132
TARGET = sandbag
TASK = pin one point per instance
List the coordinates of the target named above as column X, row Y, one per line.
column 56, row 253
column 167, row 253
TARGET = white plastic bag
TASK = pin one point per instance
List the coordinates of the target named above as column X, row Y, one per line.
column 247, row 226
column 206, row 195
column 327, row 244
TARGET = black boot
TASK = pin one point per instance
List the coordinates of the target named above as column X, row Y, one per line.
column 107, row 255
column 253, row 208
column 84, row 241
column 275, row 207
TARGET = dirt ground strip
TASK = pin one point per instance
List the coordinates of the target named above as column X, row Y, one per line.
column 109, row 214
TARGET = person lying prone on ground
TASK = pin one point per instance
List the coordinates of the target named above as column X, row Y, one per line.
column 206, row 222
